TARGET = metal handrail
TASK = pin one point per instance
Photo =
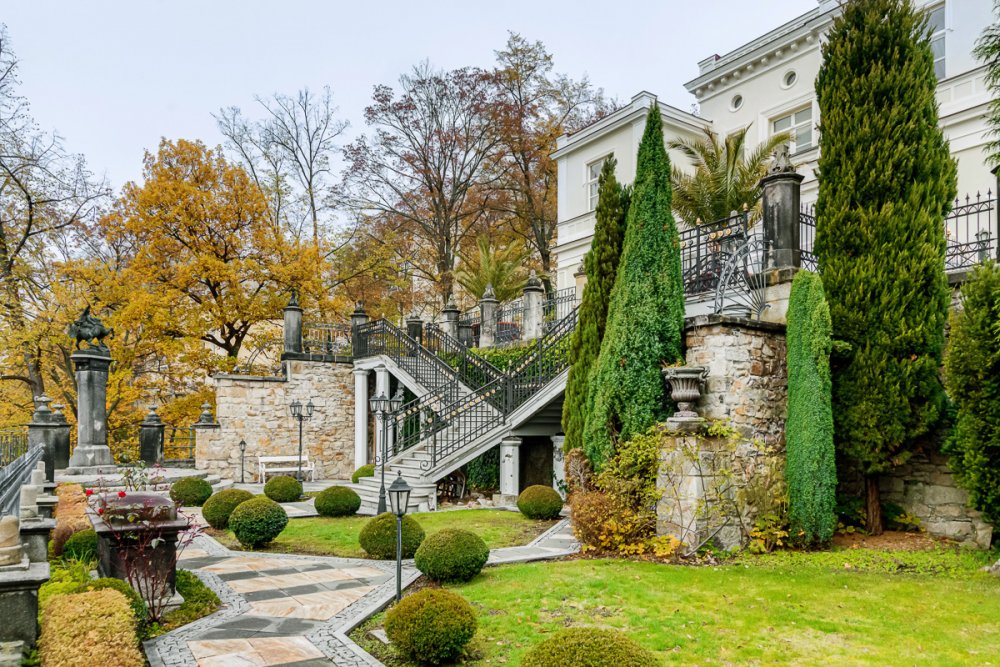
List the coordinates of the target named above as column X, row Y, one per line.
column 473, row 370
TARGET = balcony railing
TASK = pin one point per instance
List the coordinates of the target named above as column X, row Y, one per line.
column 705, row 249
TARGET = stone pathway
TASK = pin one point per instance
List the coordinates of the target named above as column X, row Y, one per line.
column 296, row 611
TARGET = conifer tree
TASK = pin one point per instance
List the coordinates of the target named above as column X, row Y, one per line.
column 601, row 267
column 626, row 393
column 885, row 184
column 810, row 466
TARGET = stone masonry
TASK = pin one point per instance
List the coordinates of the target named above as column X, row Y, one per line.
column 255, row 409
column 747, row 382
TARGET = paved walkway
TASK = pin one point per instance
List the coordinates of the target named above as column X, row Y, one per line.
column 296, row 611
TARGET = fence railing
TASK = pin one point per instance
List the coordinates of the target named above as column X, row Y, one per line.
column 13, row 445
column 971, row 232
column 17, row 460
column 510, row 321
column 807, row 236
column 706, row 248
column 178, row 444
column 559, row 304
column 326, row 338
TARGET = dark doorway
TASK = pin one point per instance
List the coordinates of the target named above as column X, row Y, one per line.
column 536, row 461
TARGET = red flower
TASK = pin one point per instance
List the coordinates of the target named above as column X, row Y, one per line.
column 89, row 491
column 121, row 494
column 100, row 510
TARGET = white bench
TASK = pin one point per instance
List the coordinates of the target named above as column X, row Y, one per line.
column 285, row 465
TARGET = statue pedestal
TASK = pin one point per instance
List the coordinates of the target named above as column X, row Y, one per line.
column 92, row 453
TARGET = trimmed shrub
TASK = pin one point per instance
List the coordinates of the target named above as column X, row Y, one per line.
column 367, row 470
column 452, row 555
column 283, row 489
column 810, row 466
column 589, row 647
column 87, row 629
column 972, row 367
column 432, row 626
column 66, row 578
column 337, row 501
column 70, row 515
column 378, row 536
column 81, row 545
column 257, row 521
column 217, row 509
column 191, row 491
column 540, row 502
column 135, row 600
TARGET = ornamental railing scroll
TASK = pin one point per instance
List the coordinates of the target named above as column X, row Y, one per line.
column 705, row 249
column 971, row 232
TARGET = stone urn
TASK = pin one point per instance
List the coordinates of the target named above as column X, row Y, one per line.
column 685, row 388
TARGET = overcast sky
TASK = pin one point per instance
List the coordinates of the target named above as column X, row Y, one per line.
column 114, row 77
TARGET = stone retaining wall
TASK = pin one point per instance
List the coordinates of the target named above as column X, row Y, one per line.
column 255, row 409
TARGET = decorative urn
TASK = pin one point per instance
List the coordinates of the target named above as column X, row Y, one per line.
column 685, row 388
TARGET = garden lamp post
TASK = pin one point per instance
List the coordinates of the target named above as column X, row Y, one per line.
column 243, row 451
column 380, row 405
column 301, row 413
column 399, row 496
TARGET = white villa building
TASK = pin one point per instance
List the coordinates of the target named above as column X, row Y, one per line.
column 768, row 85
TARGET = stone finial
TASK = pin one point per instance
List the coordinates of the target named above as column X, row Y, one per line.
column 359, row 308
column 534, row 282
column 782, row 163
column 581, row 270
column 10, row 541
column 29, row 501
column 206, row 414
column 488, row 293
column 43, row 413
column 152, row 417
column 451, row 305
column 58, row 416
column 293, row 302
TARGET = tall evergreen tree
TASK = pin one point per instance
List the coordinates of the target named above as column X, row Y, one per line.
column 886, row 180
column 645, row 324
column 988, row 51
column 601, row 267
column 810, row 465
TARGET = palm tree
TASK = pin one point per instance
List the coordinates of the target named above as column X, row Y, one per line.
column 726, row 176
column 504, row 268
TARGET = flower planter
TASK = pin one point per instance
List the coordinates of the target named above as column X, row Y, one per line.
column 138, row 532
column 685, row 388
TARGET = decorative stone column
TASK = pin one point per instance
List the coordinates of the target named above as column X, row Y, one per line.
column 449, row 324
column 415, row 328
column 151, row 438
column 92, row 454
column 47, row 431
column 381, row 389
column 20, row 578
column 534, row 308
column 781, row 203
column 558, row 464
column 510, row 470
column 358, row 318
column 206, row 440
column 488, row 318
column 293, row 325
column 580, row 281
column 360, row 417
column 60, row 437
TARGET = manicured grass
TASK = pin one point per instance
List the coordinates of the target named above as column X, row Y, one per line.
column 339, row 537
column 849, row 607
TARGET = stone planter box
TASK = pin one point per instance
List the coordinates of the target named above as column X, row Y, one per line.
column 121, row 541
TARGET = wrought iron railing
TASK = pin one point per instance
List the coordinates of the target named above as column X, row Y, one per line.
column 382, row 337
column 559, row 304
column 807, row 236
column 510, row 322
column 971, row 231
column 179, row 444
column 465, row 420
column 705, row 248
column 547, row 358
column 326, row 338
column 13, row 445
column 473, row 370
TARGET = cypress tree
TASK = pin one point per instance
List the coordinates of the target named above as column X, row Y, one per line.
column 886, row 180
column 810, row 466
column 626, row 393
column 601, row 267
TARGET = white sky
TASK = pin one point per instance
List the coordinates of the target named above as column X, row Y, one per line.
column 114, row 77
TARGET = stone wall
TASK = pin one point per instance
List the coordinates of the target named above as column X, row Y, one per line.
column 747, row 382
column 255, row 409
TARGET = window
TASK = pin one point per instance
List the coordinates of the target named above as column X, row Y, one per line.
column 789, row 79
column 593, row 173
column 736, row 103
column 799, row 126
column 935, row 24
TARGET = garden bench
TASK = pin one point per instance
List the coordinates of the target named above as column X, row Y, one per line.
column 284, row 465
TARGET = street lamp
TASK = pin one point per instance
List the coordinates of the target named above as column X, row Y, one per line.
column 399, row 496
column 380, row 405
column 301, row 413
column 243, row 451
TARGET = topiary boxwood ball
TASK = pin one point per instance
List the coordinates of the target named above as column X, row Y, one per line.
column 139, row 608
column 540, row 502
column 283, row 489
column 81, row 545
column 378, row 536
column 367, row 470
column 217, row 509
column 191, row 491
column 588, row 647
column 337, row 501
column 452, row 555
column 257, row 521
column 432, row 626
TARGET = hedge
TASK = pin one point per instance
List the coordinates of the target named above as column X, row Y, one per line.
column 483, row 472
column 367, row 470
column 87, row 629
column 540, row 502
column 81, row 545
column 70, row 515
column 191, row 491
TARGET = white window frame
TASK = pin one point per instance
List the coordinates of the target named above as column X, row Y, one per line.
column 590, row 183
column 939, row 35
column 793, row 127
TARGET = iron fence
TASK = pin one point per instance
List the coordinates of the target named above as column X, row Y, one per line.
column 807, row 236
column 13, row 445
column 326, row 339
column 705, row 249
column 510, row 322
column 559, row 304
column 178, row 445
column 971, row 232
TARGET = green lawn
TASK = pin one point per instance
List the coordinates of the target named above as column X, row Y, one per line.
column 339, row 537
column 836, row 608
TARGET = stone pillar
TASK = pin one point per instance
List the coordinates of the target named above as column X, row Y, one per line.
column 360, row 417
column 580, row 281
column 151, row 438
column 781, row 212
column 533, row 320
column 358, row 318
column 510, row 470
column 293, row 325
column 381, row 389
column 488, row 318
column 20, row 578
column 465, row 334
column 415, row 328
column 92, row 453
column 558, row 464
column 450, row 323
column 49, row 430
column 206, row 433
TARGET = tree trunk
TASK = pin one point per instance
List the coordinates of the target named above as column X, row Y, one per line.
column 873, row 506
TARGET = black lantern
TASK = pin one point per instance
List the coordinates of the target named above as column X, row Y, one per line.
column 243, row 450
column 399, row 498
column 380, row 405
column 300, row 414
column 396, row 402
column 296, row 408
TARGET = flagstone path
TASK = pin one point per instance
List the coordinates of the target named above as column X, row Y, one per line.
column 296, row 611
